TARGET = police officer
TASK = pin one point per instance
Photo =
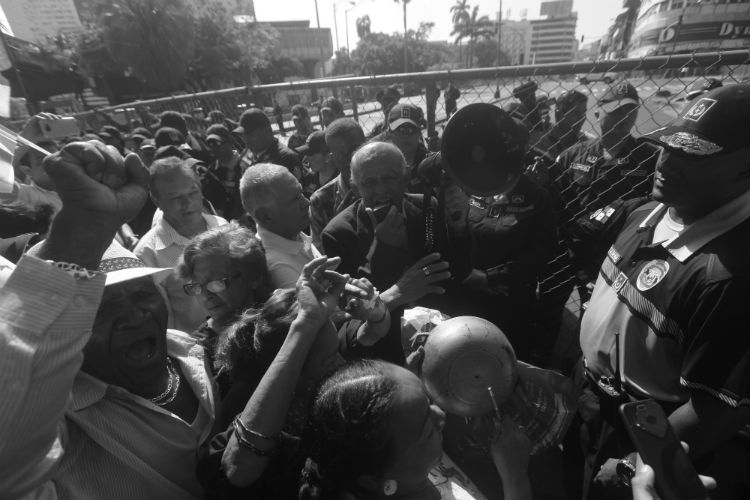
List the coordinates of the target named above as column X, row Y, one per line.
column 668, row 317
column 615, row 166
column 512, row 236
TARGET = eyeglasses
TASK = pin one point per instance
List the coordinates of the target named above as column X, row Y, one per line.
column 214, row 144
column 214, row 286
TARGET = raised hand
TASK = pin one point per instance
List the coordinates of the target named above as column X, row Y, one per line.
column 100, row 191
column 419, row 280
column 319, row 288
column 96, row 182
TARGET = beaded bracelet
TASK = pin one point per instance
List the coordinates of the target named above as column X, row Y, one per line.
column 76, row 271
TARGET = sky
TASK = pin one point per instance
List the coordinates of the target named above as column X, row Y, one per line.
column 594, row 16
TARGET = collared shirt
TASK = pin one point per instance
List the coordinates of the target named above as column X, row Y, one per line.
column 325, row 203
column 103, row 442
column 162, row 246
column 679, row 306
column 286, row 258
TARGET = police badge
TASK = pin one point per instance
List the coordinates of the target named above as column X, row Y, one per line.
column 651, row 274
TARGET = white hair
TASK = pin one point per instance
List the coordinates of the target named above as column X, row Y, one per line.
column 380, row 152
column 256, row 185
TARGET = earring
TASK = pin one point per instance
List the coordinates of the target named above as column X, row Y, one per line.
column 389, row 487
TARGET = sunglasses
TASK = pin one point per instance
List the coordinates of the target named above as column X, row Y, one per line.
column 215, row 286
column 406, row 130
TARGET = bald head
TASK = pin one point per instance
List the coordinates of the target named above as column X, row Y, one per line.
column 379, row 173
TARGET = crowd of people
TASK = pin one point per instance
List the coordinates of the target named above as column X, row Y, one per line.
column 219, row 314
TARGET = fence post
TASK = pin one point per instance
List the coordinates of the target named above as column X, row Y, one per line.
column 431, row 96
column 353, row 96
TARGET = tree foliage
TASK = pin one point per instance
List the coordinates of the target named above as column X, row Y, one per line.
column 170, row 46
column 469, row 26
column 380, row 53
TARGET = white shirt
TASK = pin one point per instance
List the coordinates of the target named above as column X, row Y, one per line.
column 286, row 258
column 162, row 246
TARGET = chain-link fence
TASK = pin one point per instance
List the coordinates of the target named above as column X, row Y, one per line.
column 661, row 82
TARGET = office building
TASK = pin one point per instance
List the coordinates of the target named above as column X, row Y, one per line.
column 35, row 20
column 515, row 41
column 685, row 26
column 553, row 38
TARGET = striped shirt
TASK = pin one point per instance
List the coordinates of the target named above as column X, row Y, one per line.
column 679, row 306
column 96, row 440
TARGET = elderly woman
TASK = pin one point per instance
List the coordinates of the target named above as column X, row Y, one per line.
column 225, row 268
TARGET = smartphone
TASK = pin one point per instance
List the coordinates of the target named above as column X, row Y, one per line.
column 59, row 128
column 656, row 442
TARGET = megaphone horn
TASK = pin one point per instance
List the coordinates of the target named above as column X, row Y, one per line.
column 483, row 149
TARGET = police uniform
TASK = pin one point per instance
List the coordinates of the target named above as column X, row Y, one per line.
column 513, row 235
column 587, row 177
column 666, row 319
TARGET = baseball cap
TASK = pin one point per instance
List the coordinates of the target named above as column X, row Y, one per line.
column 333, row 104
column 147, row 144
column 218, row 132
column 701, row 86
column 252, row 119
column 619, row 95
column 108, row 132
column 716, row 122
column 168, row 136
column 404, row 113
column 300, row 111
column 316, row 143
column 570, row 98
column 142, row 131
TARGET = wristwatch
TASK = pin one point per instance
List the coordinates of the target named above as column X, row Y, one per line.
column 625, row 470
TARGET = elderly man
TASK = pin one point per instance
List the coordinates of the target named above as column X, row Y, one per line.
column 176, row 190
column 343, row 137
column 383, row 236
column 668, row 318
column 274, row 199
column 262, row 146
column 127, row 423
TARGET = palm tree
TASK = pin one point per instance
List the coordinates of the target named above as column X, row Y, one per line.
column 406, row 49
column 476, row 28
column 460, row 15
column 363, row 26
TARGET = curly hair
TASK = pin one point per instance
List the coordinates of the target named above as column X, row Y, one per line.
column 235, row 242
column 250, row 344
column 347, row 433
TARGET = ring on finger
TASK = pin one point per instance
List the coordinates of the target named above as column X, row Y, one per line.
column 426, row 271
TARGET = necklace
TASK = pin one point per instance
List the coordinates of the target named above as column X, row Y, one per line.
column 173, row 387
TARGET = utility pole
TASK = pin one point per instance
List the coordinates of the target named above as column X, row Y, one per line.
column 499, row 26
column 335, row 26
column 317, row 16
column 406, row 48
